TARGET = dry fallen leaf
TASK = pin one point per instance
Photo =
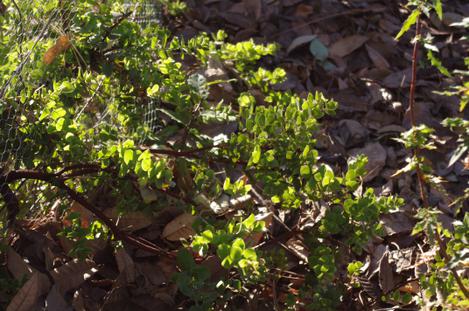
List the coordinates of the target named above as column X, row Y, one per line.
column 61, row 45
column 254, row 7
column 179, row 228
column 55, row 301
column 131, row 221
column 300, row 41
column 72, row 274
column 347, row 45
column 86, row 216
column 466, row 163
column 378, row 60
column 27, row 297
column 148, row 195
column 396, row 223
column 17, row 266
column 411, row 288
column 386, row 275
column 126, row 265
column 351, row 133
column 402, row 79
column 376, row 155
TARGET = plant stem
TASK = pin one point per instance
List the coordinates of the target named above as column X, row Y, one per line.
column 420, row 177
column 416, row 151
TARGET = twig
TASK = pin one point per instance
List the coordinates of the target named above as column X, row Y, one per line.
column 119, row 20
column 135, row 241
column 58, row 180
column 274, row 293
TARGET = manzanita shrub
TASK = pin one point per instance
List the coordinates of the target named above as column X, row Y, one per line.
column 141, row 105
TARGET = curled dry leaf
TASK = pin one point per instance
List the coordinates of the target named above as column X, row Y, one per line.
column 179, row 228
column 347, row 45
column 72, row 274
column 78, row 302
column 466, row 163
column 61, row 45
column 300, row 41
column 29, row 294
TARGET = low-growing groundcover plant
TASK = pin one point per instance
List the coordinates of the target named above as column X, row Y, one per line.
column 124, row 114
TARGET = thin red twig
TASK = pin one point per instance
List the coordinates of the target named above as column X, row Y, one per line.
column 413, row 82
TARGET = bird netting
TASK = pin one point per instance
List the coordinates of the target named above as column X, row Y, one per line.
column 25, row 28
column 29, row 24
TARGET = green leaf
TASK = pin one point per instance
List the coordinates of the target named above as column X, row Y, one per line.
column 305, row 170
column 128, row 156
column 227, row 262
column 256, row 154
column 249, row 222
column 412, row 19
column 58, row 113
column 146, row 163
column 239, row 243
column 250, row 254
column 152, row 91
column 318, row 50
column 227, row 184
column 354, row 267
column 223, row 251
column 438, row 8
column 437, row 63
column 185, row 260
column 275, row 199
column 458, row 153
column 236, row 253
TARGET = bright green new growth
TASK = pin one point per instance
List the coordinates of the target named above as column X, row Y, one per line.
column 93, row 109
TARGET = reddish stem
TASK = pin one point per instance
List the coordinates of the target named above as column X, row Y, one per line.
column 416, row 152
column 413, row 82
